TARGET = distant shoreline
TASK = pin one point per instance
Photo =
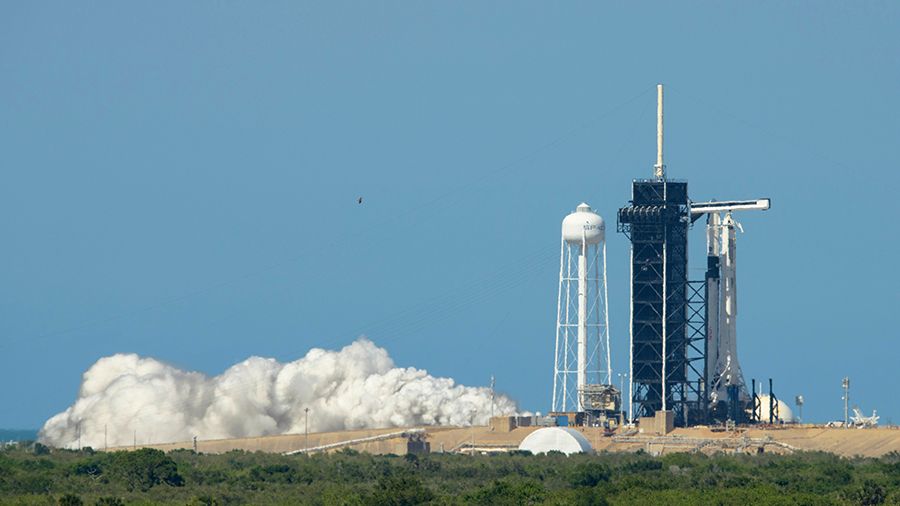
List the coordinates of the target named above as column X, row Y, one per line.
column 7, row 435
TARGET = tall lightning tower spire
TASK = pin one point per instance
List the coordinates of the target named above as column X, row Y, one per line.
column 666, row 347
column 683, row 348
column 659, row 172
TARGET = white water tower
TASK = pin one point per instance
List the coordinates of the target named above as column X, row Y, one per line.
column 582, row 324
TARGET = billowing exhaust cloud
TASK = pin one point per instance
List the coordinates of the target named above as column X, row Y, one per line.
column 358, row 387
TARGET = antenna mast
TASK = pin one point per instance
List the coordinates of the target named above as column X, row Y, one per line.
column 659, row 172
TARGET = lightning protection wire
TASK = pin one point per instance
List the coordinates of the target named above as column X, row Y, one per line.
column 526, row 270
column 503, row 320
column 427, row 315
column 415, row 318
column 446, row 305
column 790, row 142
column 407, row 320
column 456, row 300
column 497, row 175
column 621, row 148
column 322, row 271
column 491, row 177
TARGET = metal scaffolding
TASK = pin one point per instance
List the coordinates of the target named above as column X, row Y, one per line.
column 668, row 319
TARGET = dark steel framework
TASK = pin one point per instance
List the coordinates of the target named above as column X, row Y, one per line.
column 665, row 303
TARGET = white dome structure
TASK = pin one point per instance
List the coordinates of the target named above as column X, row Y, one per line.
column 784, row 413
column 560, row 439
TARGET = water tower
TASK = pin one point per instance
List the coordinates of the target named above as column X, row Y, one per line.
column 582, row 371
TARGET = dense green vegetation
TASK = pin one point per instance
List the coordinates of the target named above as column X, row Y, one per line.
column 147, row 477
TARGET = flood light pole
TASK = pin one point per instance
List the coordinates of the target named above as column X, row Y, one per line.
column 473, row 432
column 846, row 401
column 306, row 431
column 492, row 397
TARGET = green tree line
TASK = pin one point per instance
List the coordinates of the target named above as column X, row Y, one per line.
column 148, row 477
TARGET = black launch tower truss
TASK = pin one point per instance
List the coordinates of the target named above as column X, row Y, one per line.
column 668, row 315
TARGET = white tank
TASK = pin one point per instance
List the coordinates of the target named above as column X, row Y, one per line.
column 784, row 412
column 584, row 224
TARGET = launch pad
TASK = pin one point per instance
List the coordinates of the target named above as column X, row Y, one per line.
column 683, row 343
column 682, row 333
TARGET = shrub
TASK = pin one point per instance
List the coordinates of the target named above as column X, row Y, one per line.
column 399, row 491
column 70, row 500
column 589, row 475
column 110, row 501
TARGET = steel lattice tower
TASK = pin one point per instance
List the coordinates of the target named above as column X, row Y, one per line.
column 668, row 323
column 582, row 328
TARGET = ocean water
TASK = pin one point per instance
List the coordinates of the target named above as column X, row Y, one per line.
column 7, row 435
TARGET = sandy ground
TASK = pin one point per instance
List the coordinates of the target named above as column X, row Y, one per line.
column 847, row 442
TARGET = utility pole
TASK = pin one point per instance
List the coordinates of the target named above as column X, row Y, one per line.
column 306, row 438
column 846, row 402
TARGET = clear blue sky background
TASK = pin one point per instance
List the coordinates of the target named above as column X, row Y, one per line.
column 180, row 180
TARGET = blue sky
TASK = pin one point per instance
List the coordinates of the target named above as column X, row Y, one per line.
column 181, row 181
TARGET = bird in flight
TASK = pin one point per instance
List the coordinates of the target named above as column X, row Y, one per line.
column 360, row 200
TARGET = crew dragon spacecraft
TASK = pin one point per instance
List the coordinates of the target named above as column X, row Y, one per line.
column 724, row 379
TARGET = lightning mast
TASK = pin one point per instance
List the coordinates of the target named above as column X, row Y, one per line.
column 659, row 172
column 683, row 333
column 664, row 345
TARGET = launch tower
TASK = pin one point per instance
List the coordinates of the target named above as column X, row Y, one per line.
column 668, row 321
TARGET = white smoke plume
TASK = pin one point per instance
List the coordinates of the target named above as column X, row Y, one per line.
column 358, row 387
